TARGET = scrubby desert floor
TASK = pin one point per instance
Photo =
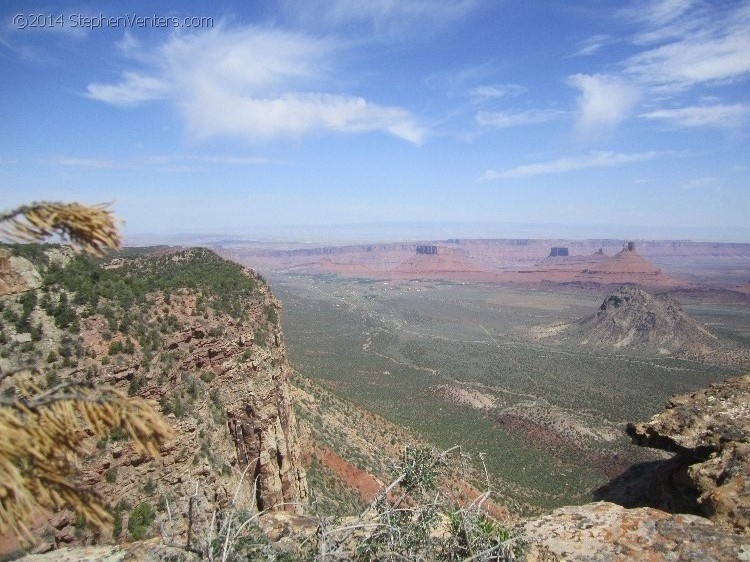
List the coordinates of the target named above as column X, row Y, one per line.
column 495, row 369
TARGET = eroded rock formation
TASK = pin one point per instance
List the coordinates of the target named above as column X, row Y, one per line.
column 632, row 317
column 606, row 532
column 709, row 432
column 427, row 250
column 221, row 380
column 17, row 274
column 558, row 251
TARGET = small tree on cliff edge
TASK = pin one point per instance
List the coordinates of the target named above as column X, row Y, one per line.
column 40, row 429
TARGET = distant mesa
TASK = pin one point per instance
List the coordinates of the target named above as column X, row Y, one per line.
column 558, row 251
column 427, row 250
column 584, row 263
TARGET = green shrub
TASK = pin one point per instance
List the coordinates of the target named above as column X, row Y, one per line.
column 116, row 523
column 115, row 347
column 52, row 378
column 110, row 475
column 149, row 486
column 140, row 520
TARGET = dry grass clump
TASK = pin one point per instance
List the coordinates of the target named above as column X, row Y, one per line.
column 88, row 228
column 41, row 431
column 40, row 438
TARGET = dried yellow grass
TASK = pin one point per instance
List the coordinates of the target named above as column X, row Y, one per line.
column 41, row 431
column 88, row 228
column 40, row 446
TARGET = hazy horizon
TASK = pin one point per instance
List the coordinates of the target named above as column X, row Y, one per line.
column 386, row 232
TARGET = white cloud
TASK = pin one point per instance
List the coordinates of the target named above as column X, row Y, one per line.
column 134, row 88
column 128, row 44
column 252, row 82
column 592, row 160
column 605, row 101
column 295, row 114
column 592, row 45
column 694, row 46
column 491, row 91
column 703, row 116
column 503, row 119
column 658, row 12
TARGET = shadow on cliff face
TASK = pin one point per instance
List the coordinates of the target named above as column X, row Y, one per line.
column 661, row 484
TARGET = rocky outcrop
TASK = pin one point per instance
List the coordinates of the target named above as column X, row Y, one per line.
column 632, row 317
column 604, row 532
column 17, row 274
column 709, row 432
column 693, row 505
column 252, row 388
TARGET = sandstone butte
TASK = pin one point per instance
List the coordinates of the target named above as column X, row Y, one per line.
column 520, row 262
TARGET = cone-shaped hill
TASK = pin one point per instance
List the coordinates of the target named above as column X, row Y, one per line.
column 632, row 317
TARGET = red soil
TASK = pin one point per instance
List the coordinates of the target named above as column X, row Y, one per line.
column 366, row 485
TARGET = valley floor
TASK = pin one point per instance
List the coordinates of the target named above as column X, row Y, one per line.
column 493, row 369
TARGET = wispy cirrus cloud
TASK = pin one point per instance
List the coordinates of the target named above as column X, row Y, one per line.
column 92, row 163
column 727, row 116
column 132, row 89
column 503, row 119
column 657, row 13
column 251, row 82
column 592, row 45
column 689, row 45
column 495, row 91
column 563, row 165
column 700, row 183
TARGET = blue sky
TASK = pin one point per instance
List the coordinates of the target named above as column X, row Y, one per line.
column 582, row 114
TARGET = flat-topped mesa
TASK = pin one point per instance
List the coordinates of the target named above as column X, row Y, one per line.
column 427, row 250
column 559, row 251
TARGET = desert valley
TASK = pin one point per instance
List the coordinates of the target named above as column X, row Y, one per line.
column 375, row 281
column 536, row 359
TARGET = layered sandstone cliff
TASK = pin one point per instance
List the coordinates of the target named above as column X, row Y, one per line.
column 220, row 376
